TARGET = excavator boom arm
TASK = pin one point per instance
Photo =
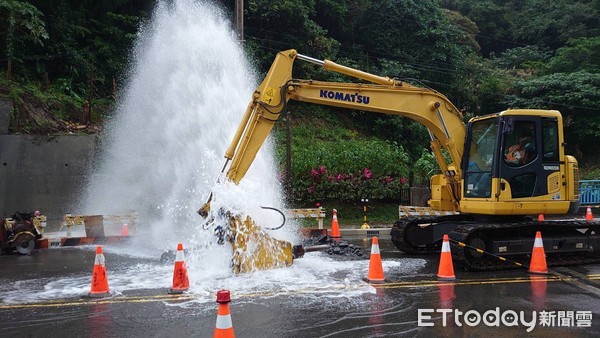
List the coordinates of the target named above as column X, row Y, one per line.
column 260, row 116
column 382, row 95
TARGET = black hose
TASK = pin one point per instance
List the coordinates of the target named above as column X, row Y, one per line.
column 206, row 225
column 282, row 215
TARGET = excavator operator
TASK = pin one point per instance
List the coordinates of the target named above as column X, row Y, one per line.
column 522, row 152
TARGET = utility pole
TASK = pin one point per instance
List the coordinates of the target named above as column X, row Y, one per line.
column 288, row 153
column 239, row 19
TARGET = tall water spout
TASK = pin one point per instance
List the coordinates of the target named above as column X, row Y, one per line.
column 188, row 86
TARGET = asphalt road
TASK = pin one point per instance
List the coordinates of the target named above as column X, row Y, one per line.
column 41, row 295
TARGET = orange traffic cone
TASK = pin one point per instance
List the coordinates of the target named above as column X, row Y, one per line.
column 335, row 228
column 125, row 230
column 541, row 218
column 224, row 327
column 446, row 269
column 538, row 257
column 588, row 214
column 375, row 266
column 99, row 280
column 181, row 282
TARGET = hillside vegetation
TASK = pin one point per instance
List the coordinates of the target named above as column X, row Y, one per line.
column 62, row 62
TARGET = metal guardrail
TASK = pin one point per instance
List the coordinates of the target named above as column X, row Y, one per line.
column 94, row 224
column 589, row 192
column 318, row 213
column 405, row 196
column 407, row 211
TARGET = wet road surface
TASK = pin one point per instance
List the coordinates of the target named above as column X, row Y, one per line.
column 40, row 295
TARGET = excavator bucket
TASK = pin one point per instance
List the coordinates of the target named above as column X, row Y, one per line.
column 253, row 248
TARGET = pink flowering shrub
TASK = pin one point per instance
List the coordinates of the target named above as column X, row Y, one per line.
column 317, row 184
column 346, row 169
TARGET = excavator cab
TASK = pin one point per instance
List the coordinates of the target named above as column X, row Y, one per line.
column 515, row 164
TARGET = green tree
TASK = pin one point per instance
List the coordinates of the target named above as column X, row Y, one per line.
column 576, row 95
column 551, row 23
column 577, row 54
column 90, row 41
column 424, row 168
column 468, row 27
column 516, row 23
column 483, row 87
column 280, row 25
column 491, row 18
column 21, row 22
column 529, row 59
column 415, row 34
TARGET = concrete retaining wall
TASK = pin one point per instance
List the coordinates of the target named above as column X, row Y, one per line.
column 44, row 173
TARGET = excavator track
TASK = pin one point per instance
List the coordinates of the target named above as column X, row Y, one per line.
column 398, row 238
column 411, row 234
column 566, row 242
column 485, row 236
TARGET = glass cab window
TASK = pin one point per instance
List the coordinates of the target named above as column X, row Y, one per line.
column 550, row 133
column 520, row 145
column 481, row 153
column 519, row 161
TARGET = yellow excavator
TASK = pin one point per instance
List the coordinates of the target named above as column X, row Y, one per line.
column 503, row 168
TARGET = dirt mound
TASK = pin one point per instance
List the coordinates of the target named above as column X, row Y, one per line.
column 36, row 114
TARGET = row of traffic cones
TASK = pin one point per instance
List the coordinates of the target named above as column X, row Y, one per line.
column 445, row 271
column 537, row 264
column 181, row 283
column 589, row 216
column 99, row 287
column 224, row 327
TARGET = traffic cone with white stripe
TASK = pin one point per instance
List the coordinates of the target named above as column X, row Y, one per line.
column 538, row 256
column 446, row 269
column 335, row 227
column 588, row 214
column 125, row 230
column 181, row 282
column 99, row 286
column 375, row 266
column 224, row 326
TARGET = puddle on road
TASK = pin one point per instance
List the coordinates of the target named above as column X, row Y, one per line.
column 315, row 274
